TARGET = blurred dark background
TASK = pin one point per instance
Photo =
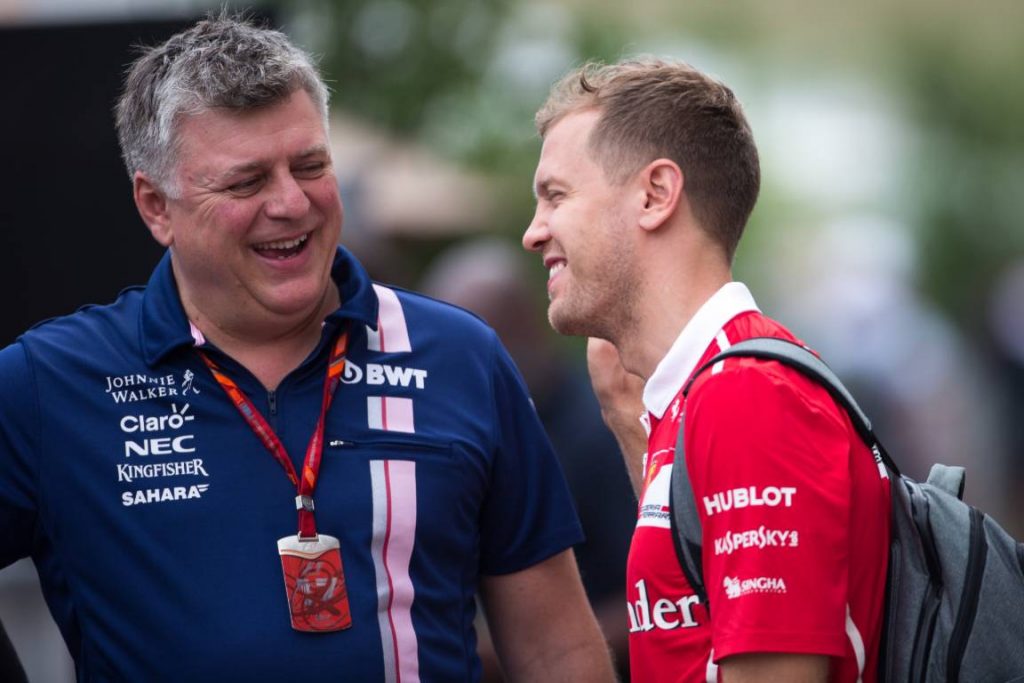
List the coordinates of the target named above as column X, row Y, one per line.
column 70, row 234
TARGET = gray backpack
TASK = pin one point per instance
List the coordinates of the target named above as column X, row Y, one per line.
column 954, row 607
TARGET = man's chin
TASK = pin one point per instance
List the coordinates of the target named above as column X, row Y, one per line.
column 568, row 325
column 298, row 298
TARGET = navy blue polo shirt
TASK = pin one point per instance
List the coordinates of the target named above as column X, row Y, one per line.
column 152, row 510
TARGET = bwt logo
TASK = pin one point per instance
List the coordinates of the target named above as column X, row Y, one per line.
column 381, row 373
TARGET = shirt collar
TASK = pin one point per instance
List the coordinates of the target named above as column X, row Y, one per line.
column 688, row 348
column 164, row 327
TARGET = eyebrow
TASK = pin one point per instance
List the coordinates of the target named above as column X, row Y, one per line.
column 237, row 170
column 313, row 151
column 249, row 166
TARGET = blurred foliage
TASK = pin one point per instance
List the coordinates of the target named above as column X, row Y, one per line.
column 387, row 60
column 465, row 77
column 968, row 104
column 952, row 71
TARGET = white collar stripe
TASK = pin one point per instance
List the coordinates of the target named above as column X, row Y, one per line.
column 197, row 334
column 704, row 327
column 392, row 334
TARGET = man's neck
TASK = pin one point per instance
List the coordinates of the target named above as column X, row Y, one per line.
column 643, row 347
column 269, row 348
column 663, row 314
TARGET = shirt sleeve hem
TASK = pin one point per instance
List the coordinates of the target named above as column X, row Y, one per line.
column 774, row 641
column 547, row 548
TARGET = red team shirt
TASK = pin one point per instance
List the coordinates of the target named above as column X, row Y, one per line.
column 793, row 507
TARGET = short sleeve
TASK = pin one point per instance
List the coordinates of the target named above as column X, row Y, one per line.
column 768, row 455
column 528, row 515
column 19, row 431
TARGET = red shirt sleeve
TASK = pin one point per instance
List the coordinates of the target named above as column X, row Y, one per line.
column 769, row 458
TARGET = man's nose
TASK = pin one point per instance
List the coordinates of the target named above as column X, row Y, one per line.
column 536, row 234
column 288, row 199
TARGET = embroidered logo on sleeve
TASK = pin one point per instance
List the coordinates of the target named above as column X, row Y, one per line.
column 749, row 496
column 737, row 588
column 654, row 504
column 759, row 538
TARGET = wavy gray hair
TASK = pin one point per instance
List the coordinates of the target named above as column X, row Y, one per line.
column 221, row 62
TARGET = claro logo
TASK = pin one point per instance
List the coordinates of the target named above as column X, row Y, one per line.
column 382, row 373
column 143, row 429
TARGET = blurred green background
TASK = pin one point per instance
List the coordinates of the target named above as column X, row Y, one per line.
column 934, row 88
column 888, row 229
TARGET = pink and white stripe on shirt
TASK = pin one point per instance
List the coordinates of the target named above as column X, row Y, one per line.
column 394, row 532
column 390, row 413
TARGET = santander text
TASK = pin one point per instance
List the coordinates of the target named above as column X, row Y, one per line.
column 664, row 614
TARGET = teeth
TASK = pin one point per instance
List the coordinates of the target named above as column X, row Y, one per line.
column 283, row 244
column 556, row 269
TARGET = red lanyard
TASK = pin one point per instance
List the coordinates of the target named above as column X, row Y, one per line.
column 311, row 466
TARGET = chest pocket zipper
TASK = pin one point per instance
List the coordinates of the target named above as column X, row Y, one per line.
column 394, row 449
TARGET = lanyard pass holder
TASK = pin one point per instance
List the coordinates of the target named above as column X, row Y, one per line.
column 314, row 580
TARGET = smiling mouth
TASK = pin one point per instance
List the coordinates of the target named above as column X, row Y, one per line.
column 282, row 249
column 555, row 269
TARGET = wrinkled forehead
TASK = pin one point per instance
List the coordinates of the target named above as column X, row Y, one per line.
column 291, row 128
column 231, row 100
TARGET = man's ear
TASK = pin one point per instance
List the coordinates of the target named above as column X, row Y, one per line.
column 153, row 207
column 662, row 183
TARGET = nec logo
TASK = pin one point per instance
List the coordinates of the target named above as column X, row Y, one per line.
column 382, row 373
column 162, row 445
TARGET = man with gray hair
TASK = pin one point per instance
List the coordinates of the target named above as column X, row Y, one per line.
column 647, row 176
column 263, row 465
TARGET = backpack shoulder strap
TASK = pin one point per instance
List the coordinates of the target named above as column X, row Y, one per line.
column 684, row 520
column 802, row 359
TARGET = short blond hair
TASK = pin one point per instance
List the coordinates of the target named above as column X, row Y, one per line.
column 654, row 108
